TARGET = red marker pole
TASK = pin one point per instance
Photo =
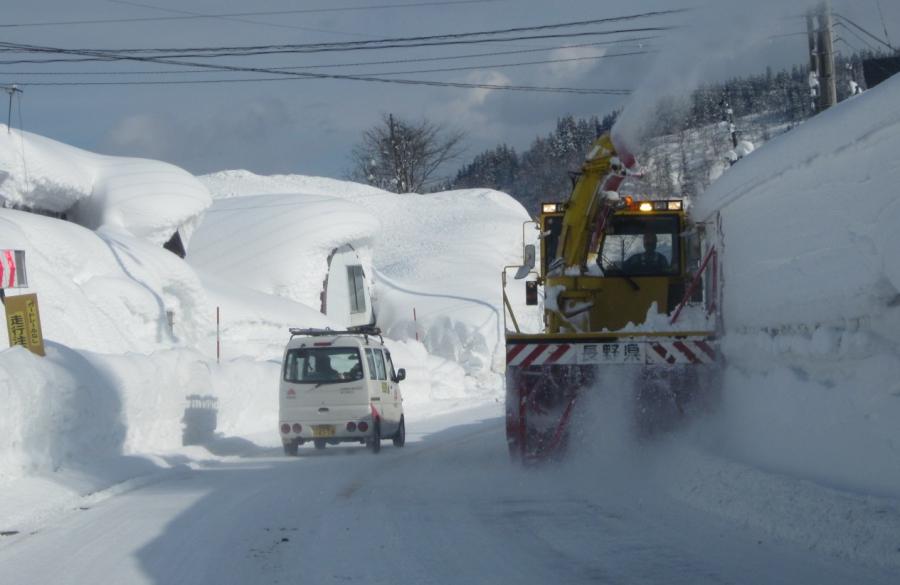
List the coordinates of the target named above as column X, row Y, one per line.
column 416, row 324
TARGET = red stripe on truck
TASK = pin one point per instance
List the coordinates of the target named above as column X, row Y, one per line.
column 560, row 351
column 705, row 348
column 534, row 355
column 513, row 351
column 684, row 349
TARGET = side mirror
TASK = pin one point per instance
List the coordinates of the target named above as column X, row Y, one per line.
column 401, row 375
column 527, row 262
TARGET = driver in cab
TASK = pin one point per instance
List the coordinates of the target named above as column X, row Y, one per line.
column 649, row 261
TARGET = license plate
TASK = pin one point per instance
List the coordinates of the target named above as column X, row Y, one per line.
column 323, row 430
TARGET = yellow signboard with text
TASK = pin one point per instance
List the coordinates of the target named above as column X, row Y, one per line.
column 23, row 321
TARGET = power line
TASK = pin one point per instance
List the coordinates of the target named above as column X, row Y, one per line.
column 307, row 74
column 864, row 31
column 856, row 34
column 523, row 88
column 848, row 43
column 241, row 20
column 395, row 42
column 310, row 75
column 887, row 37
column 141, row 55
column 438, row 70
column 359, row 64
column 242, row 14
column 124, row 55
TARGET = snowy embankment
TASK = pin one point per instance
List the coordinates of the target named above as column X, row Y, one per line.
column 806, row 443
column 130, row 327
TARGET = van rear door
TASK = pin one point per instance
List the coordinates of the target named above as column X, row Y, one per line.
column 324, row 377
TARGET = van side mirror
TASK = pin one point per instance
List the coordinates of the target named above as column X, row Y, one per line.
column 401, row 375
column 527, row 262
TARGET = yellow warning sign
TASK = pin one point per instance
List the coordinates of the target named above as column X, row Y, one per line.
column 23, row 321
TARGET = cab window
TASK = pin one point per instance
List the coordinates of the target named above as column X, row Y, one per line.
column 552, row 228
column 641, row 246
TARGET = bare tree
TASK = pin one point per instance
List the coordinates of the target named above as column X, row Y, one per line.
column 403, row 156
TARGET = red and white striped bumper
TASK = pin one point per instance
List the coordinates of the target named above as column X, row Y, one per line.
column 622, row 352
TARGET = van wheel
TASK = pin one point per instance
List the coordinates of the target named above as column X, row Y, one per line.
column 375, row 441
column 290, row 449
column 319, row 443
column 400, row 436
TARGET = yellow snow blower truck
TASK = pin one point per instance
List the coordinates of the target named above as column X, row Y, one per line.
column 630, row 297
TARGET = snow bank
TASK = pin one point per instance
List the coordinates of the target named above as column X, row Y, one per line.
column 824, row 197
column 79, row 410
column 106, row 291
column 149, row 199
column 805, row 443
column 811, row 296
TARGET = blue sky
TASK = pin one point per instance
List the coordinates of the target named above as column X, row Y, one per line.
column 310, row 126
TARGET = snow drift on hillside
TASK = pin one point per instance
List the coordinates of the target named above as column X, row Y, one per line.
column 147, row 198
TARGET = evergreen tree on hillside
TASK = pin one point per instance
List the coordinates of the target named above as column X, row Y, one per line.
column 694, row 127
column 493, row 169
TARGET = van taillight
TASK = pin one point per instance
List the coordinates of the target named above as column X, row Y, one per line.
column 297, row 428
column 363, row 426
column 285, row 428
column 351, row 426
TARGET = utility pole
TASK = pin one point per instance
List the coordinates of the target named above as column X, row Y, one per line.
column 826, row 57
column 12, row 90
column 814, row 85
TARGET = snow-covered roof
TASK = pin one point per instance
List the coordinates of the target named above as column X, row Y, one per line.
column 278, row 244
column 150, row 199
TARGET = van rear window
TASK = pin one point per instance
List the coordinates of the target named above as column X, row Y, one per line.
column 322, row 365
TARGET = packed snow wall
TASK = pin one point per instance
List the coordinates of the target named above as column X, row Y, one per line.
column 811, row 266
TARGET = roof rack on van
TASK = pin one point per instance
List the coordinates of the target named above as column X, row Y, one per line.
column 357, row 330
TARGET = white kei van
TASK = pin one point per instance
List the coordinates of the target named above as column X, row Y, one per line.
column 339, row 387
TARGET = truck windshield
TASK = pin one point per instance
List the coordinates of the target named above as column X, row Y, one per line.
column 642, row 246
column 322, row 365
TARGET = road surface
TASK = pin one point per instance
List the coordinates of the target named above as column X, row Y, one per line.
column 447, row 508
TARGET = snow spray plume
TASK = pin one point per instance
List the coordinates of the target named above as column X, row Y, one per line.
column 720, row 35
